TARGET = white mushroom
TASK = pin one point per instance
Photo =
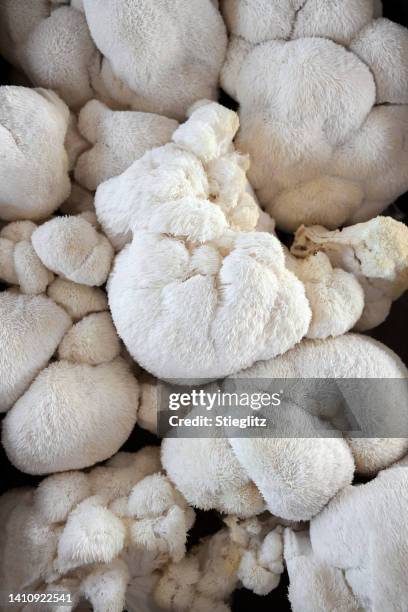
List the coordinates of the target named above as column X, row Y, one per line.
column 62, row 537
column 376, row 253
column 247, row 553
column 28, row 544
column 118, row 476
column 296, row 475
column 105, row 587
column 383, row 45
column 78, row 300
column 118, row 139
column 52, row 45
column 92, row 340
column 377, row 402
column 19, row 263
column 57, row 495
column 215, row 294
column 310, row 79
column 92, row 534
column 173, row 60
column 161, row 517
column 34, row 171
column 72, row 248
column 30, row 331
column 72, row 416
column 363, row 533
column 336, row 298
column 315, row 586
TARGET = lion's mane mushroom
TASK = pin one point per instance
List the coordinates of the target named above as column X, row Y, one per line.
column 355, row 558
column 77, row 300
column 173, row 60
column 84, row 50
column 34, row 170
column 336, row 297
column 295, row 476
column 52, row 45
column 118, row 138
column 199, row 287
column 245, row 553
column 291, row 477
column 92, row 340
column 72, row 416
column 376, row 407
column 80, row 533
column 196, row 279
column 77, row 410
column 71, row 247
column 375, row 253
column 315, row 586
column 19, row 263
column 322, row 89
column 31, row 327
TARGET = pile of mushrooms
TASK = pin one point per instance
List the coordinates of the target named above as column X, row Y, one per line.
column 141, row 245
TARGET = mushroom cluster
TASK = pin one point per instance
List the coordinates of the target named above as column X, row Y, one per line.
column 196, row 278
column 295, row 476
column 87, row 534
column 325, row 572
column 116, row 535
column 71, row 397
column 244, row 553
column 323, row 97
column 155, row 234
column 84, row 49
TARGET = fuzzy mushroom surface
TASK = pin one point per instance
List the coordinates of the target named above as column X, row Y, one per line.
column 71, row 324
column 375, row 253
column 196, row 278
column 75, row 534
column 296, row 475
column 118, row 139
column 323, row 106
column 34, row 170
